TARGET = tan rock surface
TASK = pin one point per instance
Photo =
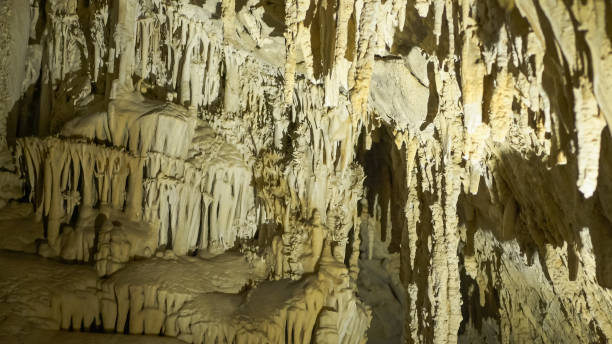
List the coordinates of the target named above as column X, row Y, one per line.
column 415, row 171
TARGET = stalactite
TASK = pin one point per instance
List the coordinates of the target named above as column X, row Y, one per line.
column 203, row 163
column 113, row 179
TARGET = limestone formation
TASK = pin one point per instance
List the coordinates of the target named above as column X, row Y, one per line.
column 350, row 171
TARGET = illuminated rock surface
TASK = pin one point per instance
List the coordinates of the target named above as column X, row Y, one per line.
column 350, row 171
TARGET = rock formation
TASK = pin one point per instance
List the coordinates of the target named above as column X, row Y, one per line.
column 222, row 171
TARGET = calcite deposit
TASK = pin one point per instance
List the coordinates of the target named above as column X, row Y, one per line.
column 349, row 171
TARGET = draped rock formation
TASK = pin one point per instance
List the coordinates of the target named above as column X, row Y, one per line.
column 350, row 171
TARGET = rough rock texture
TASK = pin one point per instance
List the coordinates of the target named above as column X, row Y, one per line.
column 506, row 218
column 418, row 171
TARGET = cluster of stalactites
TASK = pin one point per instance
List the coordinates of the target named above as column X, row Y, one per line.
column 208, row 210
column 517, row 64
column 194, row 207
column 338, row 41
column 473, row 126
column 319, row 178
column 322, row 156
column 297, row 195
column 173, row 45
column 189, row 47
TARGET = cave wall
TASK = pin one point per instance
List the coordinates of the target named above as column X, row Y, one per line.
column 506, row 212
column 478, row 132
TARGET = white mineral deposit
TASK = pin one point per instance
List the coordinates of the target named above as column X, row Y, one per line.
column 295, row 172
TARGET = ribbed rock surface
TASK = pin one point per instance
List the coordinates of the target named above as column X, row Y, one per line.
column 415, row 171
